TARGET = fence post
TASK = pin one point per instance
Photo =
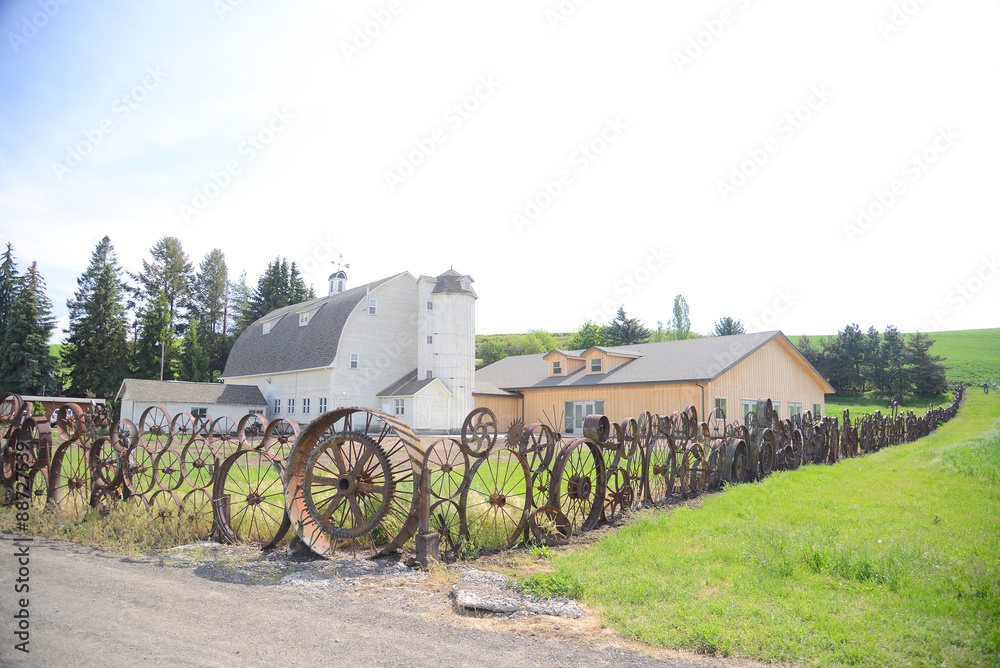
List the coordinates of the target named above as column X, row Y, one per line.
column 428, row 543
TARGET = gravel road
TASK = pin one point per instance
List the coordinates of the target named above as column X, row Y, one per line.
column 209, row 605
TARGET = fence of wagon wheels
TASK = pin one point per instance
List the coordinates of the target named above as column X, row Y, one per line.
column 359, row 480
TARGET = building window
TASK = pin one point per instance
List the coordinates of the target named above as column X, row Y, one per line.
column 776, row 405
column 303, row 319
column 430, row 374
column 556, row 367
column 430, row 339
column 794, row 409
column 277, row 406
column 400, row 406
column 749, row 406
column 466, row 285
column 817, row 412
column 267, row 326
column 720, row 402
column 291, row 406
column 372, row 307
column 256, row 411
column 195, row 412
column 595, row 365
column 322, row 404
column 355, row 360
column 305, row 407
column 430, row 306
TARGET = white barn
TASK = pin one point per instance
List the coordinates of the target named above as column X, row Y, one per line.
column 174, row 396
column 402, row 344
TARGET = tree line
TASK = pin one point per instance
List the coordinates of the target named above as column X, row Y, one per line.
column 169, row 319
column 886, row 364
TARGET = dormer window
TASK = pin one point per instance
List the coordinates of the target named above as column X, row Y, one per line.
column 303, row 319
column 595, row 365
column 556, row 367
column 466, row 285
column 267, row 326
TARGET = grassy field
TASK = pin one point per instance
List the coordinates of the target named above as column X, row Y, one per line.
column 888, row 560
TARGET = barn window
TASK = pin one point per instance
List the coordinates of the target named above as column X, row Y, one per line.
column 430, row 339
column 277, row 406
column 595, row 365
column 794, row 409
column 400, row 406
column 430, row 306
column 817, row 412
column 355, row 360
column 305, row 407
column 430, row 374
column 267, row 326
column 291, row 406
column 322, row 404
column 303, row 319
column 720, row 402
column 195, row 412
column 372, row 307
column 556, row 367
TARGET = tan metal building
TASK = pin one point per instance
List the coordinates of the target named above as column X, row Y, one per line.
column 727, row 372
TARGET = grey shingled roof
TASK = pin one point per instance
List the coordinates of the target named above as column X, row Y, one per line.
column 690, row 360
column 406, row 386
column 172, row 391
column 451, row 282
column 288, row 347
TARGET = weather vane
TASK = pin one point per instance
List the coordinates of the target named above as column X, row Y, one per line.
column 340, row 263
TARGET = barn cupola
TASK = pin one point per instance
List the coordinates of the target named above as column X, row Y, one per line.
column 338, row 282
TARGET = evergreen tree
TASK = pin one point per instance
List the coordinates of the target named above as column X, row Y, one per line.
column 155, row 349
column 843, row 357
column 727, row 327
column 240, row 312
column 280, row 285
column 26, row 365
column 590, row 334
column 926, row 371
column 96, row 348
column 873, row 367
column 624, row 331
column 209, row 306
column 194, row 358
column 170, row 272
column 8, row 290
column 894, row 358
column 681, row 322
column 811, row 353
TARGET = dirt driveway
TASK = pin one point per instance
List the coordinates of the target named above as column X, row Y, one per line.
column 209, row 605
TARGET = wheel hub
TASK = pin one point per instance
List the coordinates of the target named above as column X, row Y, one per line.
column 254, row 499
column 498, row 500
column 579, row 487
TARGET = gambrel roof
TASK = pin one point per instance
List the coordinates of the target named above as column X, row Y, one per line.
column 289, row 347
column 690, row 360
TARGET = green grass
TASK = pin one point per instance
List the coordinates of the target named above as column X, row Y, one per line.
column 886, row 560
column 859, row 406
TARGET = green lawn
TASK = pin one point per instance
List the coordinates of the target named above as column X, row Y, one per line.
column 885, row 560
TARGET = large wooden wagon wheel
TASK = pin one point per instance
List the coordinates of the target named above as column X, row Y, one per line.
column 352, row 482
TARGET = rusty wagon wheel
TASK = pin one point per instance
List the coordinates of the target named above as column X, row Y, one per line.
column 620, row 496
column 225, row 437
column 537, row 447
column 549, row 526
column 203, row 425
column 11, row 406
column 333, row 461
column 279, row 438
column 248, row 499
column 496, row 501
column 196, row 508
column 155, row 433
column 106, row 464
column 38, row 487
column 199, row 463
column 741, row 460
column 69, row 478
column 479, row 432
column 579, row 483
column 167, row 471
column 447, row 468
column 766, row 455
column 446, row 521
column 123, row 435
column 659, row 469
column 251, row 430
column 182, row 427
column 138, row 465
column 72, row 424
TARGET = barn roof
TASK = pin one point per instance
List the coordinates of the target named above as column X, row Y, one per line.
column 690, row 360
column 289, row 347
column 176, row 391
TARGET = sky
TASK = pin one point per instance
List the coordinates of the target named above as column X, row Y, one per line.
column 796, row 166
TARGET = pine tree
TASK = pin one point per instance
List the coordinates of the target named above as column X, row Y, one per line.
column 624, row 331
column 209, row 306
column 280, row 285
column 810, row 352
column 155, row 349
column 927, row 373
column 8, row 289
column 26, row 365
column 170, row 272
column 194, row 358
column 96, row 348
column 894, row 358
column 873, row 367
